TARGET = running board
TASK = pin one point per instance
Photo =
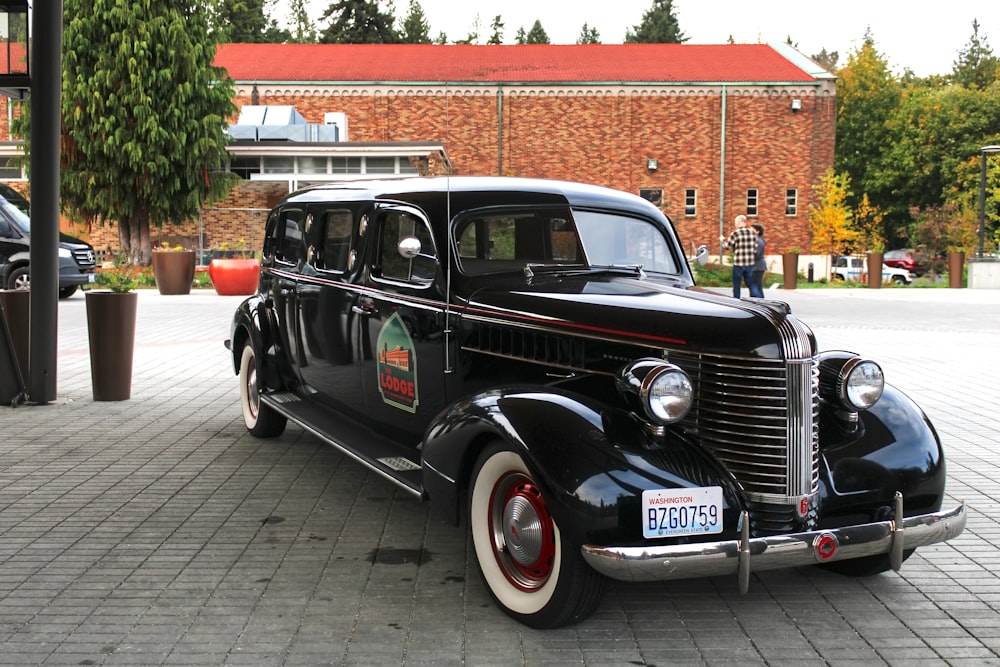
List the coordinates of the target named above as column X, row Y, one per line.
column 385, row 457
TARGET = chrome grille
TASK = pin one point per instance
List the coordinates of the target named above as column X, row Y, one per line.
column 760, row 419
column 84, row 258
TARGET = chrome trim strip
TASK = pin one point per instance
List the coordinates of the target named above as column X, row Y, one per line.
column 739, row 557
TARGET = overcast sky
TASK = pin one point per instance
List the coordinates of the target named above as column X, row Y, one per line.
column 922, row 36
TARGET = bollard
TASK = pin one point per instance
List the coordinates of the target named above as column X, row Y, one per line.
column 810, row 274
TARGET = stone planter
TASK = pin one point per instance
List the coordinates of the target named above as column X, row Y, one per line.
column 234, row 277
column 984, row 273
column 111, row 332
column 874, row 267
column 173, row 270
column 790, row 269
column 956, row 269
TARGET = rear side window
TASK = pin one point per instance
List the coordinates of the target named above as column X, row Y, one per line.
column 284, row 236
column 335, row 240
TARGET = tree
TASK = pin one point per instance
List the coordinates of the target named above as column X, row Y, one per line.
column 520, row 37
column 359, row 22
column 867, row 98
column 932, row 136
column 416, row 29
column 588, row 35
column 830, row 219
column 143, row 116
column 827, row 60
column 497, row 28
column 303, row 29
column 473, row 37
column 976, row 66
column 659, row 26
column 537, row 34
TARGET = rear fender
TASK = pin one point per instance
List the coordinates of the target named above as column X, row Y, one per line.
column 592, row 463
column 252, row 322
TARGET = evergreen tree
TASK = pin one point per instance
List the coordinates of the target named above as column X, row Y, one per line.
column 359, row 22
column 976, row 64
column 537, row 34
column 245, row 22
column 473, row 37
column 416, row 30
column 497, row 28
column 303, row 29
column 588, row 35
column 521, row 36
column 143, row 116
column 659, row 26
column 827, row 60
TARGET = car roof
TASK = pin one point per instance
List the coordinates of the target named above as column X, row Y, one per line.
column 575, row 194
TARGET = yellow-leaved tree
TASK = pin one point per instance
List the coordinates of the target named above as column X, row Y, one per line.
column 830, row 219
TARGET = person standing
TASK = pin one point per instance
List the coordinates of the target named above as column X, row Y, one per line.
column 759, row 262
column 743, row 242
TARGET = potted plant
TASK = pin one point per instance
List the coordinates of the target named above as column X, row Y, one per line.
column 173, row 269
column 790, row 268
column 111, row 315
column 234, row 271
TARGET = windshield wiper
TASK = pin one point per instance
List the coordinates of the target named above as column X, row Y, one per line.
column 530, row 270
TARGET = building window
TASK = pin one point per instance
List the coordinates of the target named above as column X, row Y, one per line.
column 10, row 168
column 752, row 201
column 380, row 165
column 791, row 201
column 690, row 201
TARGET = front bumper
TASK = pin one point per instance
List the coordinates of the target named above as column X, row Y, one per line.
column 740, row 557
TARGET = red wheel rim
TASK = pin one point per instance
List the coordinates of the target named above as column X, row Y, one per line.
column 523, row 532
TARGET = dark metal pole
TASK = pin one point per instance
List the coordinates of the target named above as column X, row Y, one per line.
column 46, row 85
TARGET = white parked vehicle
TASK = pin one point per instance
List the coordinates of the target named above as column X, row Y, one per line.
column 856, row 269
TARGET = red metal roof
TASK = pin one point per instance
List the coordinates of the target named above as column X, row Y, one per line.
column 527, row 63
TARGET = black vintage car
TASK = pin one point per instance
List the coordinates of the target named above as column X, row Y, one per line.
column 533, row 357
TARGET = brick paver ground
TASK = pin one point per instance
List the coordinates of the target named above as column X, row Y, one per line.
column 156, row 531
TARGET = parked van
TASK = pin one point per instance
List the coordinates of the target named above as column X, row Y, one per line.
column 77, row 262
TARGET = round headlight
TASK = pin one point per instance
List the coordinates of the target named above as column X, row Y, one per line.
column 667, row 394
column 861, row 383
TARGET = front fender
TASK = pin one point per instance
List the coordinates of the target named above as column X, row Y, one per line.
column 592, row 462
column 893, row 448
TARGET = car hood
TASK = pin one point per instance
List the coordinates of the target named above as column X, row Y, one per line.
column 644, row 312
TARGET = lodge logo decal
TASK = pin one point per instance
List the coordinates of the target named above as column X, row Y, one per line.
column 397, row 365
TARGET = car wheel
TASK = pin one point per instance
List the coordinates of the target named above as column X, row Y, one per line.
column 867, row 566
column 19, row 278
column 532, row 572
column 259, row 419
column 67, row 292
column 899, row 280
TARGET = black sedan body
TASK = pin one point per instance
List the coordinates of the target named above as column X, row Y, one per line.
column 534, row 357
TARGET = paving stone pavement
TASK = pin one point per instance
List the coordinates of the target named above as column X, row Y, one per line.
column 156, row 531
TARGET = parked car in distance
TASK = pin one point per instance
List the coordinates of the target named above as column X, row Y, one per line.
column 906, row 259
column 77, row 261
column 856, row 269
column 534, row 359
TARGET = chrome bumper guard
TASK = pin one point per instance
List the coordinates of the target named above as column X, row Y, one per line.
column 739, row 557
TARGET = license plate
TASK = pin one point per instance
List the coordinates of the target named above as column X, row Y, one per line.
column 91, row 277
column 672, row 512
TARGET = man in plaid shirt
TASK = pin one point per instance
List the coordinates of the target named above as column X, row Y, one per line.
column 743, row 243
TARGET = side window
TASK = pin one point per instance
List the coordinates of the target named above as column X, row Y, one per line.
column 508, row 241
column 289, row 249
column 4, row 228
column 334, row 240
column 690, row 201
column 396, row 226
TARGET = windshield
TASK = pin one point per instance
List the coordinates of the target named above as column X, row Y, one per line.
column 16, row 215
column 500, row 241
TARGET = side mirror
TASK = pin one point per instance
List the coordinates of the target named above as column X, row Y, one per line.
column 409, row 247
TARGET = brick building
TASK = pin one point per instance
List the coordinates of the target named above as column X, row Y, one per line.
column 706, row 131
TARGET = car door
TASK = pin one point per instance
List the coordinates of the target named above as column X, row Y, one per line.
column 401, row 320
column 283, row 260
column 327, row 296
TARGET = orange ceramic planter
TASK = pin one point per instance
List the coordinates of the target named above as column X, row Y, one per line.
column 234, row 277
